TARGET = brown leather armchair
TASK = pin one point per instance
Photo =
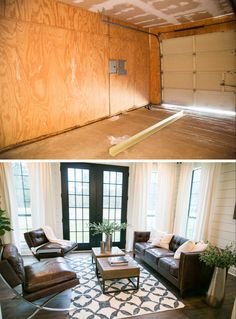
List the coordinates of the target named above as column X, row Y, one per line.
column 42, row 248
column 38, row 280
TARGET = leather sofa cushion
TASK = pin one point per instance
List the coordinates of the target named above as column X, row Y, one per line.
column 141, row 247
column 154, row 254
column 176, row 242
column 48, row 273
column 11, row 254
column 170, row 265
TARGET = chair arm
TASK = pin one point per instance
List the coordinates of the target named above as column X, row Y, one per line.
column 141, row 237
column 193, row 273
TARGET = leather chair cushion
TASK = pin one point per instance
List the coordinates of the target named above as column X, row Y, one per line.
column 44, row 274
column 154, row 254
column 141, row 247
column 11, row 254
column 176, row 242
column 60, row 247
column 170, row 265
column 37, row 237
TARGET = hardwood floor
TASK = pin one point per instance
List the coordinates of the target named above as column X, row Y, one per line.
column 195, row 136
column 195, row 307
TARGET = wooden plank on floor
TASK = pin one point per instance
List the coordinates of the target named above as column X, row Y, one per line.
column 120, row 147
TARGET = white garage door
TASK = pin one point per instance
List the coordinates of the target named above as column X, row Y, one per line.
column 200, row 71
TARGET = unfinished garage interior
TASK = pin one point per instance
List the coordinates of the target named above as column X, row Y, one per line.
column 77, row 76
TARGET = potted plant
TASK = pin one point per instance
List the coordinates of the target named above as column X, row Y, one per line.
column 108, row 228
column 5, row 224
column 221, row 260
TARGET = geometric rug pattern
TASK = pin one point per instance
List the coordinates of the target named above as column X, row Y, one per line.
column 88, row 301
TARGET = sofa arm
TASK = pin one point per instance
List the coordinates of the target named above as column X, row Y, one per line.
column 141, row 237
column 194, row 275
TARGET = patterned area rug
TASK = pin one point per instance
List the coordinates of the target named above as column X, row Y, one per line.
column 89, row 302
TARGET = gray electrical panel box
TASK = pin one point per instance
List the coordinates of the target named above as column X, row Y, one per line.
column 121, row 67
column 112, row 67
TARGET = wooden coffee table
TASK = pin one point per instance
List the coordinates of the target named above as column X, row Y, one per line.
column 96, row 253
column 108, row 272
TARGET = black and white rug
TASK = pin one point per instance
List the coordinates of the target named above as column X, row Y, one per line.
column 89, row 302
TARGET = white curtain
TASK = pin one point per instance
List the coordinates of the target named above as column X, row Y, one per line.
column 181, row 212
column 46, row 195
column 166, row 197
column 139, row 183
column 208, row 187
column 8, row 203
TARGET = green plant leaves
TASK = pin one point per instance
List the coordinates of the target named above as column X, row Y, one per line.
column 217, row 257
column 106, row 227
column 5, row 224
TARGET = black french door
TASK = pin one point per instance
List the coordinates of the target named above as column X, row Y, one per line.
column 93, row 193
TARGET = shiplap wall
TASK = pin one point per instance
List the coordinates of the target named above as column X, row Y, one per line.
column 223, row 225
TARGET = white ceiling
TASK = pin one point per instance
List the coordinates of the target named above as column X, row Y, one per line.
column 152, row 13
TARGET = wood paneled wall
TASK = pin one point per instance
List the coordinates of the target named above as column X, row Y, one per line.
column 223, row 225
column 54, row 69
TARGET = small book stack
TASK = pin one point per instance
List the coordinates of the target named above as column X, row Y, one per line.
column 118, row 261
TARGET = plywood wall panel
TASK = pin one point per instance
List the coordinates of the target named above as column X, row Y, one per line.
column 131, row 90
column 122, row 87
column 8, row 83
column 154, row 62
column 141, row 73
column 39, row 11
column 78, row 19
column 54, row 69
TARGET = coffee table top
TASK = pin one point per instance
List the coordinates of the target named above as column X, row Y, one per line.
column 115, row 251
column 110, row 272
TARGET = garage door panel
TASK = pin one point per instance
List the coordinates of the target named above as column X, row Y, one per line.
column 178, row 96
column 215, row 61
column 178, row 45
column 194, row 68
column 178, row 80
column 217, row 41
column 217, row 100
column 209, row 81
column 178, row 62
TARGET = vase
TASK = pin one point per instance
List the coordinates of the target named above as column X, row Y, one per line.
column 216, row 291
column 102, row 246
column 108, row 244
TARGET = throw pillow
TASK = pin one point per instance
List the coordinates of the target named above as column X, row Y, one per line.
column 185, row 247
column 157, row 237
column 201, row 246
column 163, row 241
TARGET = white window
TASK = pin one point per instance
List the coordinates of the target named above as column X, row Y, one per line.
column 193, row 202
column 21, row 182
column 152, row 201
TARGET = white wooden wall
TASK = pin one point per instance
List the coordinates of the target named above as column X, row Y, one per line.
column 223, row 225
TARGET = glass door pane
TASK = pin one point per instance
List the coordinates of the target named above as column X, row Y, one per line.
column 112, row 199
column 78, row 193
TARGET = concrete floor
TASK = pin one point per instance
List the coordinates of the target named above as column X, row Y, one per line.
column 194, row 136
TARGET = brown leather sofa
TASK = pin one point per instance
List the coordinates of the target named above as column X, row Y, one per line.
column 36, row 238
column 188, row 273
column 39, row 279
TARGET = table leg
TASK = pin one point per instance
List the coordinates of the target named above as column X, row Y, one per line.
column 103, row 286
column 138, row 282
